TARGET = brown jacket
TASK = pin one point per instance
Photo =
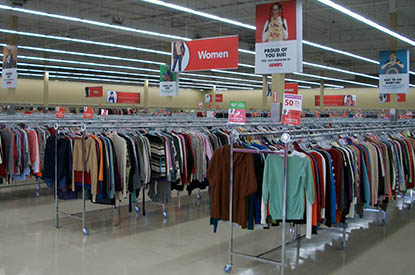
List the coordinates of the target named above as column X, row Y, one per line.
column 245, row 184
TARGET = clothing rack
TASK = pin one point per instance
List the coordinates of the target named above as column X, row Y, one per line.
column 287, row 139
column 84, row 128
column 85, row 230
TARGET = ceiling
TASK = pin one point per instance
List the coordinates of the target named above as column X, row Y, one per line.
column 322, row 25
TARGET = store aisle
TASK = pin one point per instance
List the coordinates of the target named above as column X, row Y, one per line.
column 185, row 244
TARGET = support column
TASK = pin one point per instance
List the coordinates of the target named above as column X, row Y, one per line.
column 145, row 99
column 13, row 42
column 264, row 91
column 45, row 89
column 321, row 95
column 278, row 81
column 213, row 94
column 393, row 24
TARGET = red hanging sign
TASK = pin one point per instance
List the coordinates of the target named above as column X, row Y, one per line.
column 219, row 98
column 88, row 112
column 205, row 54
column 60, row 112
column 94, row 91
column 291, row 88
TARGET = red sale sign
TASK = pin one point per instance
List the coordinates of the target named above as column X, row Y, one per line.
column 205, row 54
column 237, row 112
column 60, row 112
column 291, row 110
column 88, row 112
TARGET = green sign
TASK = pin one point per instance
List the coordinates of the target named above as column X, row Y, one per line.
column 166, row 75
column 237, row 105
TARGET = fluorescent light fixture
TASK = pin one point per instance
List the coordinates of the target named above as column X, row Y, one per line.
column 31, row 34
column 157, row 52
column 246, row 51
column 366, row 21
column 89, row 55
column 256, row 75
column 335, row 79
column 91, row 22
column 315, row 45
column 246, row 65
column 200, row 13
column 338, row 70
column 85, row 63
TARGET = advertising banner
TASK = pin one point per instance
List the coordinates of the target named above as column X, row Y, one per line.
column 9, row 73
column 60, row 112
column 237, row 112
column 336, row 100
column 208, row 98
column 94, row 91
column 219, row 98
column 169, row 82
column 387, row 98
column 278, row 37
column 394, row 72
column 123, row 97
column 88, row 112
column 291, row 88
column 291, row 109
column 205, row 54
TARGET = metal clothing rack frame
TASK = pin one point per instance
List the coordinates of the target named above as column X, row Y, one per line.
column 85, row 230
column 286, row 139
column 258, row 257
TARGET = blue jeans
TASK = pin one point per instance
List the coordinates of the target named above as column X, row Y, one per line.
column 177, row 58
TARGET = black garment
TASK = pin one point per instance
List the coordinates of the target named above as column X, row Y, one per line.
column 64, row 163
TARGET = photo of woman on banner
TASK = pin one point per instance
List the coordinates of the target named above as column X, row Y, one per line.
column 178, row 54
column 111, row 97
column 275, row 28
column 350, row 100
column 10, row 57
column 393, row 65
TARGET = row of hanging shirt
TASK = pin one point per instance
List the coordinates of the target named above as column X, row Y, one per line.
column 327, row 181
column 21, row 152
column 122, row 162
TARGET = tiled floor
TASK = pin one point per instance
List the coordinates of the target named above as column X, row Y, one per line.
column 184, row 244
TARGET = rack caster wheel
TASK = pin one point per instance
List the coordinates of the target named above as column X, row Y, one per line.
column 85, row 231
column 137, row 209
column 228, row 268
column 165, row 215
column 199, row 197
